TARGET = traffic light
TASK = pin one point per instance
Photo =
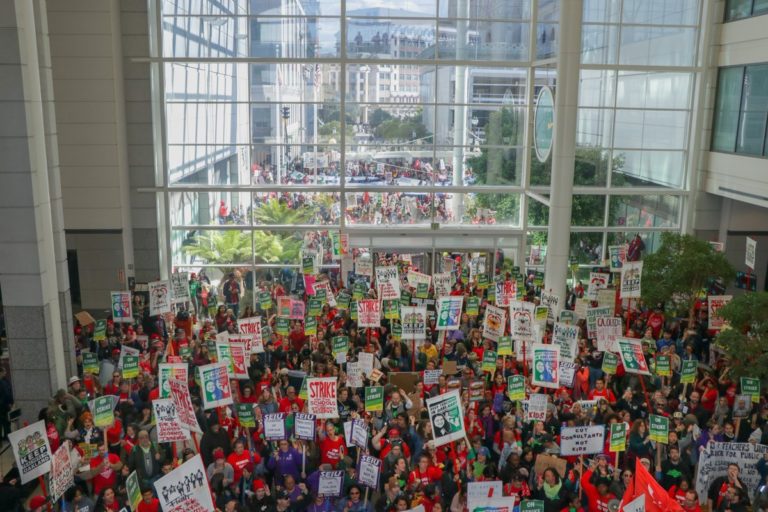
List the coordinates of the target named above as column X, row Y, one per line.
column 286, row 112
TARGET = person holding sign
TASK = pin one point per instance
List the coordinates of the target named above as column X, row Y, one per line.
column 598, row 493
column 286, row 460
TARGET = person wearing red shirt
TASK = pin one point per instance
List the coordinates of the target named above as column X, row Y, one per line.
column 104, row 468
column 148, row 502
column 113, row 387
column 691, row 501
column 425, row 473
column 332, row 446
column 656, row 322
column 287, row 401
column 240, row 458
column 385, row 445
column 598, row 495
column 601, row 391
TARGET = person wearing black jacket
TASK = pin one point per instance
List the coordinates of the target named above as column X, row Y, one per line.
column 146, row 460
column 674, row 469
column 214, row 438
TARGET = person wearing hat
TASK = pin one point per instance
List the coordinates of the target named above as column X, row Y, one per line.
column 261, row 501
column 214, row 438
column 598, row 494
column 221, row 467
column 385, row 445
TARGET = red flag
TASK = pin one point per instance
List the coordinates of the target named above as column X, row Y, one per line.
column 656, row 498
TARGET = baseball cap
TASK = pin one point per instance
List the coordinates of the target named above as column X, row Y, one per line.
column 218, row 453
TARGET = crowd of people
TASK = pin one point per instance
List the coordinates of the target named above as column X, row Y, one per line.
column 247, row 473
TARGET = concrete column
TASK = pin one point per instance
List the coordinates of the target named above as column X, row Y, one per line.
column 460, row 111
column 564, row 146
column 28, row 232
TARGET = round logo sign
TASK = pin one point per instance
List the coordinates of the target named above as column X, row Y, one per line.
column 544, row 124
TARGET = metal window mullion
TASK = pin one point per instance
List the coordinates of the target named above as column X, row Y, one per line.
column 343, row 78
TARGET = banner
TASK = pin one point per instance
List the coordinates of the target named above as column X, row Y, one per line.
column 449, row 313
column 522, row 320
column 618, row 440
column 597, row 281
column 31, row 451
column 447, row 417
column 274, row 427
column 304, row 426
column 104, row 411
column 369, row 313
column 322, row 397
column 180, row 287
column 582, row 440
column 553, row 303
column 546, row 362
column 330, row 483
column 185, row 489
column 62, row 474
column 751, row 254
column 166, row 371
column 121, row 306
column 659, row 428
column 369, row 471
column 714, row 303
column 215, row 385
column 631, row 275
column 631, row 352
column 414, row 322
column 566, row 337
column 185, row 411
column 609, row 329
column 169, row 428
column 714, row 460
column 592, row 315
column 494, row 322
column 159, row 298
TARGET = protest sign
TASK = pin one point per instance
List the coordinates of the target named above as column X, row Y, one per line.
column 546, row 362
column 631, row 275
column 369, row 313
column 521, row 320
column 304, row 426
column 506, row 292
column 169, row 429
column 532, row 506
column 159, row 298
column 479, row 492
column 688, row 372
column 432, row 377
column 751, row 386
column 473, row 306
column 663, row 366
column 354, row 375
column 567, row 373
column 447, row 417
column 369, row 471
column 364, row 266
column 570, row 317
column 582, row 440
column 180, row 287
column 274, row 427
column 310, row 326
column 215, row 385
column 265, row 300
column 252, row 327
column 714, row 461
column 388, row 275
column 742, row 405
column 545, row 461
column 489, row 361
column 608, row 330
column 591, row 315
column 540, row 315
column 359, row 434
column 442, row 282
column 245, row 415
column 597, row 281
column 714, row 303
column 537, row 407
column 751, row 253
column 166, row 371
column 413, row 322
column 551, row 301
column 618, row 439
column 330, row 483
column 31, row 451
column 62, row 474
column 476, row 390
column 185, row 489
column 322, row 397
column 494, row 322
column 104, row 411
column 185, row 411
column 610, row 363
column 121, row 306
column 632, row 357
column 449, row 313
column 566, row 337
column 374, row 398
column 659, row 428
column 100, row 330
column 90, row 363
column 130, row 367
column 504, row 347
column 133, row 490
column 516, row 387
column 617, row 255
column 239, row 359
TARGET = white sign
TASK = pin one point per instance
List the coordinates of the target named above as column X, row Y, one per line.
column 443, row 284
column 591, row 315
column 714, row 460
column 714, row 303
column 169, row 428
column 304, row 426
column 582, row 440
column 359, row 434
column 62, row 474
column 552, row 301
column 180, row 287
column 252, row 327
column 567, row 373
column 751, row 253
column 185, row 411
column 364, row 266
column 566, row 336
column 274, row 427
column 537, row 407
column 631, row 276
column 365, row 361
column 159, row 298
column 31, row 451
column 478, row 493
column 597, row 281
column 447, row 417
column 354, row 375
column 185, row 489
column 413, row 322
column 369, row 471
column 521, row 319
column 388, row 275
column 321, row 393
column 608, row 331
column 330, row 483
column 494, row 322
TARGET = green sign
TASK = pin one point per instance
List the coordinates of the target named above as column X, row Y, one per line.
column 245, row 415
column 659, row 429
column 340, row 345
column 610, row 363
column 130, row 367
column 303, row 392
column 282, row 326
column 397, row 332
column 310, row 326
column 314, row 306
column 532, row 506
column 618, row 442
column 265, row 300
column 405, row 298
column 473, row 306
column 392, row 309
column 133, row 490
column 750, row 386
column 491, row 293
column 544, row 124
column 353, row 310
column 90, row 363
column 489, row 361
column 100, row 330
column 688, row 374
column 342, row 300
column 422, row 290
column 185, row 352
column 374, row 398
column 103, row 414
column 505, row 346
column 482, row 281
column 211, row 344
column 663, row 366
column 358, row 290
column 321, row 294
column 516, row 387
column 465, row 275
column 538, row 278
column 308, row 265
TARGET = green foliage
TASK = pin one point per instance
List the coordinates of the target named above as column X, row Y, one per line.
column 274, row 211
column 498, row 166
column 409, row 128
column 681, row 268
column 746, row 341
column 378, row 116
column 221, row 247
column 332, row 130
